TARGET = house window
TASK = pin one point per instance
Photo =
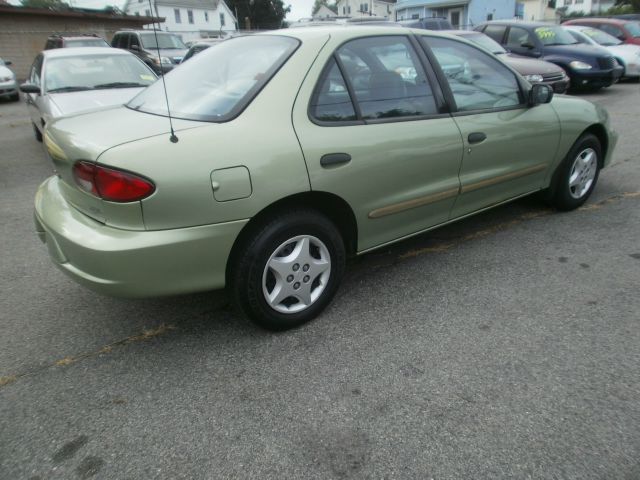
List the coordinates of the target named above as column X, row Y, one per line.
column 222, row 19
column 176, row 13
column 344, row 10
column 137, row 14
column 147, row 12
column 489, row 17
column 349, row 9
column 206, row 16
column 415, row 16
column 190, row 16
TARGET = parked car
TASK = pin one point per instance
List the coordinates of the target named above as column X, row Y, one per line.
column 627, row 31
column 72, row 80
column 533, row 70
column 143, row 44
column 626, row 54
column 199, row 46
column 72, row 40
column 286, row 160
column 8, row 83
column 427, row 23
column 588, row 67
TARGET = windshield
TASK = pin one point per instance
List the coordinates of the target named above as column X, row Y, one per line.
column 603, row 38
column 554, row 36
column 485, row 42
column 90, row 72
column 633, row 28
column 217, row 84
column 165, row 40
column 86, row 42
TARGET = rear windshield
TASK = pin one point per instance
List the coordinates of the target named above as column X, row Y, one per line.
column 165, row 41
column 86, row 42
column 217, row 84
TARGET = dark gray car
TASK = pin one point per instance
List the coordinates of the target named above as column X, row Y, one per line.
column 162, row 56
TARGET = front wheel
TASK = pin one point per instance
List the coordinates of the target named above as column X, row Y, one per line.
column 289, row 269
column 578, row 174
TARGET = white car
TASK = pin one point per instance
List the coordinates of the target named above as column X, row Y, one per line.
column 626, row 54
column 8, row 83
column 67, row 81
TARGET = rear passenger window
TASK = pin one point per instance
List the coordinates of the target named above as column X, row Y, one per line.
column 387, row 78
column 331, row 101
column 519, row 36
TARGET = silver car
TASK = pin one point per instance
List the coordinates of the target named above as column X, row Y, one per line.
column 8, row 83
column 66, row 81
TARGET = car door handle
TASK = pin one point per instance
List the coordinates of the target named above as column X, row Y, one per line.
column 334, row 159
column 476, row 137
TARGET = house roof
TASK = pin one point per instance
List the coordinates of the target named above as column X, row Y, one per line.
column 200, row 4
column 142, row 20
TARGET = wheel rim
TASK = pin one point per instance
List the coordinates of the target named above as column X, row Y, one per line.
column 583, row 172
column 296, row 274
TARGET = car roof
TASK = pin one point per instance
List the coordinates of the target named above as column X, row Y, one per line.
column 611, row 21
column 83, row 51
column 345, row 31
column 521, row 23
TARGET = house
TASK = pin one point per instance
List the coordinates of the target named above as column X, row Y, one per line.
column 24, row 31
column 324, row 12
column 463, row 14
column 191, row 19
column 587, row 7
column 540, row 10
column 366, row 8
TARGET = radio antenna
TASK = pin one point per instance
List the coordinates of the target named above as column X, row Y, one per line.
column 173, row 137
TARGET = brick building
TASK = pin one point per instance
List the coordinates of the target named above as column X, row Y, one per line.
column 23, row 31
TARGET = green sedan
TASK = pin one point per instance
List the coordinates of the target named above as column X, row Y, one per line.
column 286, row 152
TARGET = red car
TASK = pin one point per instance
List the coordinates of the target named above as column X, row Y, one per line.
column 627, row 31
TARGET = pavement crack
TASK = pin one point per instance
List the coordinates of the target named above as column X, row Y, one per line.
column 146, row 334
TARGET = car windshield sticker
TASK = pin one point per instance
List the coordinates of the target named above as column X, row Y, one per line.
column 545, row 33
column 146, row 77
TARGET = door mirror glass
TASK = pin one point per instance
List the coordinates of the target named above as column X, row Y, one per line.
column 135, row 47
column 528, row 45
column 8, row 62
column 29, row 88
column 540, row 94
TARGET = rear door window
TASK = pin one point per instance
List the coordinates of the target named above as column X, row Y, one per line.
column 496, row 32
column 387, row 78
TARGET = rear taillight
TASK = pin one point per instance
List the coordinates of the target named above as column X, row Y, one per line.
column 110, row 184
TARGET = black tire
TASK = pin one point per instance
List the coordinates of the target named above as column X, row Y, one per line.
column 248, row 268
column 37, row 133
column 563, row 196
column 16, row 97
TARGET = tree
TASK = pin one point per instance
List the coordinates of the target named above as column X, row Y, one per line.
column 333, row 6
column 259, row 14
column 48, row 4
column 633, row 4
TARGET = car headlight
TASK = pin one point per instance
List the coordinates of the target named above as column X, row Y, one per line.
column 534, row 78
column 6, row 79
column 578, row 65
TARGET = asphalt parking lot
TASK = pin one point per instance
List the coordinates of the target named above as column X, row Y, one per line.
column 503, row 346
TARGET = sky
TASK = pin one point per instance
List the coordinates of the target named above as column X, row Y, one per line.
column 299, row 8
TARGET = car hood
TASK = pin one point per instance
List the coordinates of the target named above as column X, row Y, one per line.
column 578, row 50
column 68, row 103
column 529, row 66
column 626, row 51
column 5, row 72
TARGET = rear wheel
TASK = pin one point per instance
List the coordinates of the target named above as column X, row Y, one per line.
column 578, row 174
column 289, row 269
column 15, row 97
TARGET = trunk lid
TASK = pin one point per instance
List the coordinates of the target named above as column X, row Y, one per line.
column 85, row 137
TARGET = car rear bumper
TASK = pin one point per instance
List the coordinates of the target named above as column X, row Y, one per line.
column 128, row 263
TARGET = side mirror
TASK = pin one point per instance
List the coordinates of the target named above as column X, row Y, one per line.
column 8, row 62
column 528, row 45
column 135, row 47
column 539, row 94
column 29, row 88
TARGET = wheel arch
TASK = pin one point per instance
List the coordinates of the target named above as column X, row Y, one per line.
column 332, row 206
column 600, row 132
